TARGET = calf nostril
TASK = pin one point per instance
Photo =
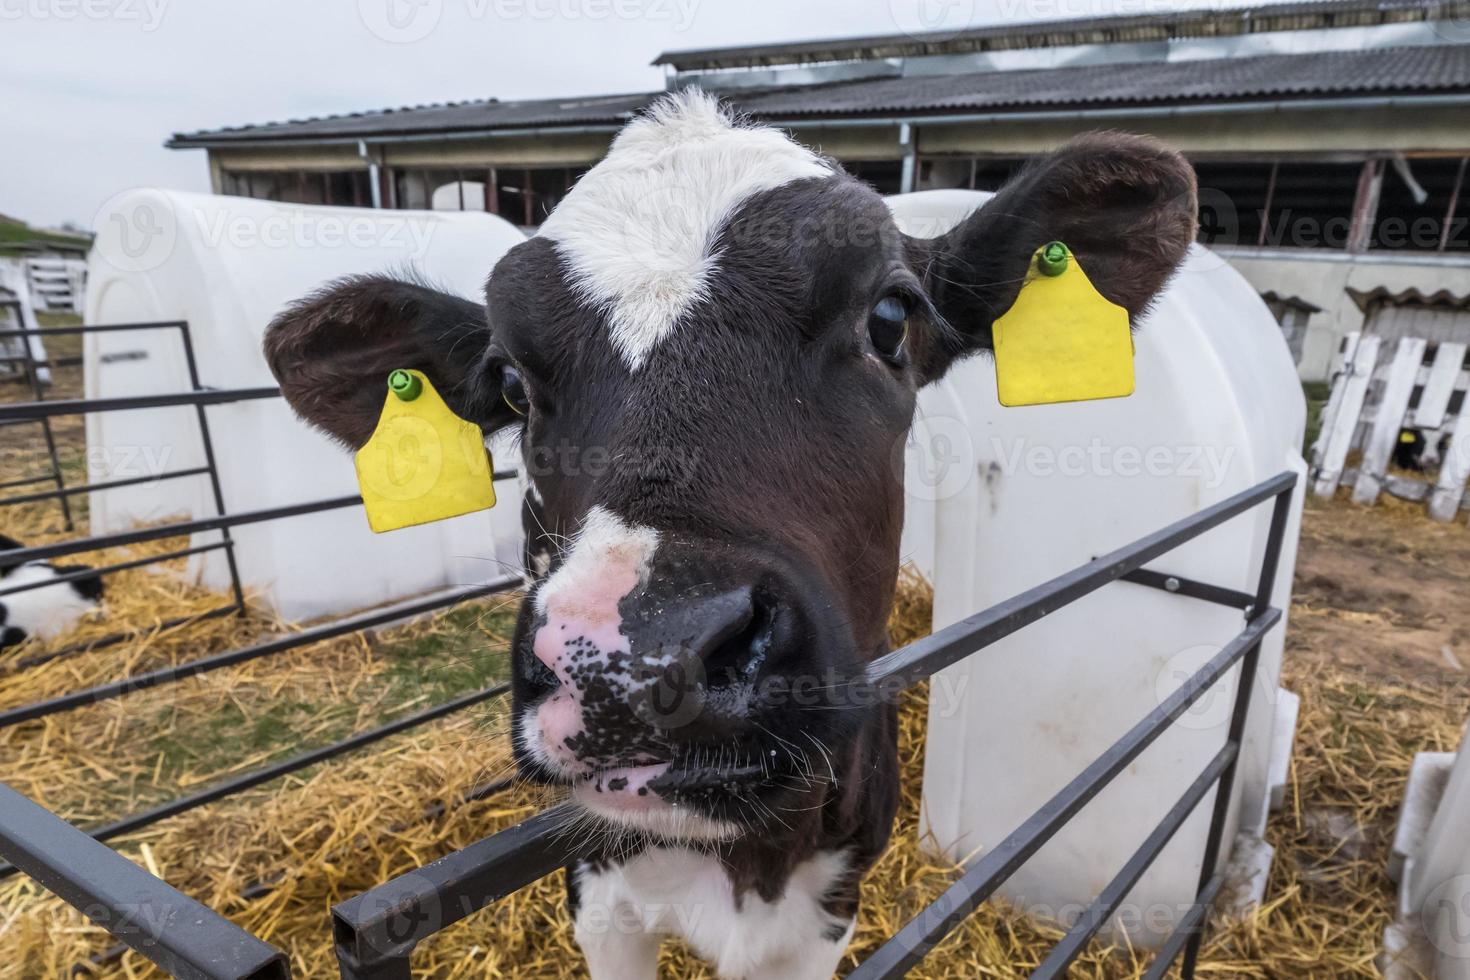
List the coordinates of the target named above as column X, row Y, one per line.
column 739, row 655
column 539, row 678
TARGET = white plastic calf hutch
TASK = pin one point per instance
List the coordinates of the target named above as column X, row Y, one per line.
column 227, row 266
column 1431, row 863
column 1002, row 499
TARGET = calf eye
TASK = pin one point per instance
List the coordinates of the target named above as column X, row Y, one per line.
column 888, row 326
column 513, row 389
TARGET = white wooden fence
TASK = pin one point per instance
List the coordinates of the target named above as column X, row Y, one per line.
column 1384, row 387
column 57, row 284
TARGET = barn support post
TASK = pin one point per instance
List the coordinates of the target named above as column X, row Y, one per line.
column 908, row 145
column 1449, row 211
column 375, row 177
column 1365, row 206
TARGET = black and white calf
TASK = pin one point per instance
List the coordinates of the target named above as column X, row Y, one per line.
column 1421, row 450
column 49, row 609
column 712, row 351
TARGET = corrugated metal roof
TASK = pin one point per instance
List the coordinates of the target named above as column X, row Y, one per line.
column 1290, row 300
column 1387, row 71
column 1089, row 30
column 1442, row 299
column 445, row 117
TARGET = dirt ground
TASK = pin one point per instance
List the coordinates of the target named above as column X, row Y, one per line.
column 1383, row 592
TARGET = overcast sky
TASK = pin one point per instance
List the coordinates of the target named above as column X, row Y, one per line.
column 90, row 89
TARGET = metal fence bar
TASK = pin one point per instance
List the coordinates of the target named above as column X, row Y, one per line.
column 285, row 767
column 38, row 392
column 25, row 482
column 327, row 631
column 1245, row 687
column 26, row 411
column 91, row 328
column 260, row 889
column 376, row 932
column 923, row 657
column 183, row 937
column 55, row 362
column 1178, row 585
column 1076, row 940
column 94, row 487
column 207, row 444
column 65, row 577
column 1189, row 924
column 118, row 539
column 911, row 943
column 128, row 482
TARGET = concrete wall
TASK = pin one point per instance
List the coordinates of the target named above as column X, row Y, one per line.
column 1316, row 132
column 1351, row 132
column 1322, row 277
column 574, row 149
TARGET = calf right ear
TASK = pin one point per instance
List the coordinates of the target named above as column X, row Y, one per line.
column 332, row 353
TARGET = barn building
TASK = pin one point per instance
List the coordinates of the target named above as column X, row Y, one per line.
column 1330, row 137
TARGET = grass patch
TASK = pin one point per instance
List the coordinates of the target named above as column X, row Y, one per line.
column 422, row 665
column 468, row 649
column 1316, row 392
column 15, row 234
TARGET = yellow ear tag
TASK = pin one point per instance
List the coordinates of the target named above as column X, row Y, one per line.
column 423, row 462
column 1061, row 341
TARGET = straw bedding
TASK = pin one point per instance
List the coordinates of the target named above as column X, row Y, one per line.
column 276, row 858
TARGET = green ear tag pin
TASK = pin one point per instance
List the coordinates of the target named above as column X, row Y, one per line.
column 405, row 385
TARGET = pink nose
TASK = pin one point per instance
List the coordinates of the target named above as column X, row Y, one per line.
column 574, row 649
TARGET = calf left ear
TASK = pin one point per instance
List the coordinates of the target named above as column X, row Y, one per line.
column 1125, row 205
column 332, row 352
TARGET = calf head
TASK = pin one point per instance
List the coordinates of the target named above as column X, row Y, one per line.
column 712, row 351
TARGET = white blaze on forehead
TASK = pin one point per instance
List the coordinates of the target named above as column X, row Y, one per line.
column 638, row 231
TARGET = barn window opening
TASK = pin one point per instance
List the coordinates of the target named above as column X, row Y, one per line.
column 884, row 176
column 1421, row 206
column 347, row 188
column 1277, row 204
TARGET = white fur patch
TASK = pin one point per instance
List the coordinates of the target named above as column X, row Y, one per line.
column 603, row 540
column 43, row 612
column 638, row 231
column 674, row 891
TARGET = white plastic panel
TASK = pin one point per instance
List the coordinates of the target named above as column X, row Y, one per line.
column 1438, row 885
column 227, row 266
column 1029, row 493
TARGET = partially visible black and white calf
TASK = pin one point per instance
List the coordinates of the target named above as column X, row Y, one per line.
column 47, row 610
column 1421, row 450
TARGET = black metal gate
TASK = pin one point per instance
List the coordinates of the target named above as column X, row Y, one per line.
column 130, row 903
column 376, row 932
